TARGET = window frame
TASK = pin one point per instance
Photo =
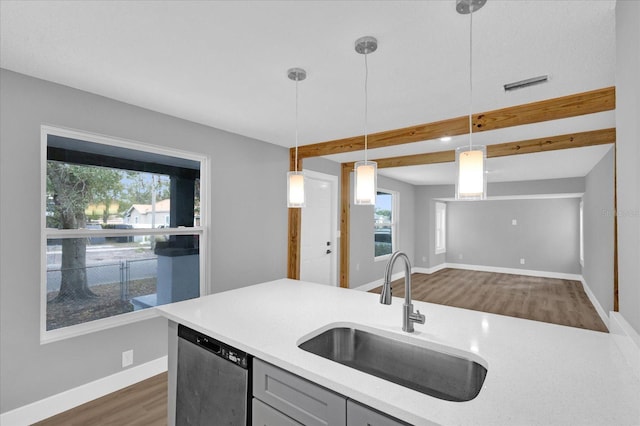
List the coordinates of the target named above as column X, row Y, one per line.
column 440, row 208
column 581, row 219
column 48, row 336
column 395, row 209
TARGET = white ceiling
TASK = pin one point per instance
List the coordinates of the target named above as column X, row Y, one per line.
column 224, row 63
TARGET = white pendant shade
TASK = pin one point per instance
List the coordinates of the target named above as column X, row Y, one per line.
column 471, row 183
column 365, row 182
column 295, row 189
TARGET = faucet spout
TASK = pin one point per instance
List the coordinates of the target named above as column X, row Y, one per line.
column 408, row 317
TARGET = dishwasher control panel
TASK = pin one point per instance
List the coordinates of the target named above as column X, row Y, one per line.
column 214, row 346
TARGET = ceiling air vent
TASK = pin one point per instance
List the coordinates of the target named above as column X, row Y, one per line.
column 526, row 83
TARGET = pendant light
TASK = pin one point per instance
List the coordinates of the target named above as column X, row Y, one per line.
column 295, row 179
column 365, row 171
column 471, row 182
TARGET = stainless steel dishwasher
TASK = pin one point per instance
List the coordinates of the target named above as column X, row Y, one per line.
column 213, row 383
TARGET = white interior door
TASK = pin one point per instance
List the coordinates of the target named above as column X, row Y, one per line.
column 319, row 218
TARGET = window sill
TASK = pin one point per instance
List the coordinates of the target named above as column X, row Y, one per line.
column 383, row 258
column 97, row 325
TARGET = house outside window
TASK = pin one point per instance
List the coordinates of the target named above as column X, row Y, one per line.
column 385, row 224
column 105, row 266
column 441, row 227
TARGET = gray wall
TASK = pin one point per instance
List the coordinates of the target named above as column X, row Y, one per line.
column 363, row 268
column 628, row 158
column 426, row 195
column 546, row 234
column 322, row 165
column 598, row 231
column 535, row 187
column 248, row 236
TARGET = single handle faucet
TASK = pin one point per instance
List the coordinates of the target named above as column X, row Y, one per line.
column 408, row 316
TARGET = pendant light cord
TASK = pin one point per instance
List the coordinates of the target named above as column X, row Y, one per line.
column 296, row 165
column 366, row 102
column 470, row 75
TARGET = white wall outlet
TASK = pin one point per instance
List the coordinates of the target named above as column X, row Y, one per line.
column 514, row 222
column 424, row 258
column 522, row 261
column 357, row 266
column 127, row 358
column 460, row 256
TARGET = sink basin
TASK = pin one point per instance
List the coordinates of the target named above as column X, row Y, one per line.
column 435, row 373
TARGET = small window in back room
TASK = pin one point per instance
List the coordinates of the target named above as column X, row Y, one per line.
column 121, row 231
column 385, row 223
column 441, row 227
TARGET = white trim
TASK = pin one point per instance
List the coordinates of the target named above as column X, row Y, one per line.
column 333, row 180
column 440, row 208
column 434, row 269
column 119, row 142
column 81, row 233
column 395, row 220
column 63, row 401
column 51, row 336
column 528, row 272
column 627, row 340
column 596, row 304
column 378, row 283
column 523, row 197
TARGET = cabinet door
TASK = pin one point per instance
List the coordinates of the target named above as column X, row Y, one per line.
column 303, row 401
column 360, row 415
column 263, row 415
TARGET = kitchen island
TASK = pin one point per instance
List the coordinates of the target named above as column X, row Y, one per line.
column 538, row 373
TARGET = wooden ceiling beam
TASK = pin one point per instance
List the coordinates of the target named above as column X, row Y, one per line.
column 530, row 146
column 572, row 140
column 550, row 109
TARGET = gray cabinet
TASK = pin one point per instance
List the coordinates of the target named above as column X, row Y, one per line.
column 284, row 399
column 297, row 398
column 361, row 415
column 264, row 415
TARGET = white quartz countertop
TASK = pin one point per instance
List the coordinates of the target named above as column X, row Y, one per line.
column 538, row 373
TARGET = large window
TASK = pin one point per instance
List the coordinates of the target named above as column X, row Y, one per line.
column 121, row 231
column 441, row 227
column 386, row 220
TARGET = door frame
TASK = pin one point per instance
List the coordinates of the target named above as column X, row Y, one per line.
column 335, row 233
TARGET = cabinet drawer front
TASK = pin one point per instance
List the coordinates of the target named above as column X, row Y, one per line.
column 360, row 415
column 263, row 415
column 305, row 402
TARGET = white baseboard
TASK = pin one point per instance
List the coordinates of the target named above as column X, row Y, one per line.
column 59, row 403
column 482, row 268
column 429, row 270
column 627, row 340
column 516, row 271
column 603, row 315
column 378, row 283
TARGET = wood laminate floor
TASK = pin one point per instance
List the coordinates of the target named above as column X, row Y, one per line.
column 141, row 404
column 550, row 300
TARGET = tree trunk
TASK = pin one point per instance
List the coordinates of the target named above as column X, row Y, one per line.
column 74, row 285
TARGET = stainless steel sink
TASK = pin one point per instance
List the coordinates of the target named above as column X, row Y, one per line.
column 438, row 374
